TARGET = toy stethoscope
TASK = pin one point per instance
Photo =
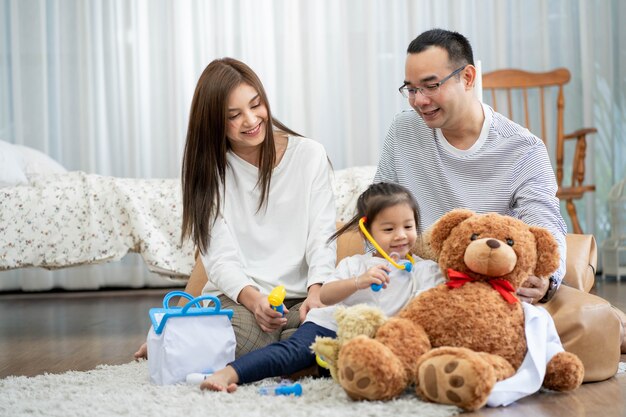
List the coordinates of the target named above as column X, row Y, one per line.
column 406, row 265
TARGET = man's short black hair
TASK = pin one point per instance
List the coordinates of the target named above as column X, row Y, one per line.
column 457, row 45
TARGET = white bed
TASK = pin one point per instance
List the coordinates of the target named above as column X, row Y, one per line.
column 72, row 219
column 74, row 230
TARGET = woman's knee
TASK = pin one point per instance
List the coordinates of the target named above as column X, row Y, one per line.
column 248, row 334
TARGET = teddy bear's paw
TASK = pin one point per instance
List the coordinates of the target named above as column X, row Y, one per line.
column 381, row 378
column 452, row 379
column 564, row 372
column 359, row 384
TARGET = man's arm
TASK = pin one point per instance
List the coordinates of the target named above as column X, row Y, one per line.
column 535, row 203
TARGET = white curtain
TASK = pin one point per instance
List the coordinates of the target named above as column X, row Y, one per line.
column 105, row 86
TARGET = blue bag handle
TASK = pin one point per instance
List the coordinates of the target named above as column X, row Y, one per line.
column 169, row 295
column 196, row 301
column 176, row 311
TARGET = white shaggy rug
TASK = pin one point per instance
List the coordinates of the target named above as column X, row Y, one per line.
column 125, row 390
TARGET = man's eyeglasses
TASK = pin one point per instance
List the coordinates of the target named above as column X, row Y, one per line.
column 428, row 90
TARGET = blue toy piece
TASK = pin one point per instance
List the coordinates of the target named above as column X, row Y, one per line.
column 406, row 264
column 377, row 287
column 282, row 389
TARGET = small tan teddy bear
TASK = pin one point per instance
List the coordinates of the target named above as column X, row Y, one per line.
column 455, row 341
column 357, row 320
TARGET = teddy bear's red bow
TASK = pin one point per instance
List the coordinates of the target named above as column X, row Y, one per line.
column 457, row 279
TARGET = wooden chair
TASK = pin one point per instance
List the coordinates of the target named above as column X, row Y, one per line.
column 519, row 88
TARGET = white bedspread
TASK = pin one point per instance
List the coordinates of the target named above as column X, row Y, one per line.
column 77, row 218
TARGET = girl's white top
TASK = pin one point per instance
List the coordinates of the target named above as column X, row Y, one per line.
column 402, row 287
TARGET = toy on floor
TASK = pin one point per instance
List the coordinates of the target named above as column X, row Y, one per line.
column 462, row 342
column 284, row 388
column 196, row 378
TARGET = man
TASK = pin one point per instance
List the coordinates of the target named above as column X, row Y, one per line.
column 453, row 151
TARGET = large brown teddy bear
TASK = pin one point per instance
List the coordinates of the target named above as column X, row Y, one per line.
column 455, row 341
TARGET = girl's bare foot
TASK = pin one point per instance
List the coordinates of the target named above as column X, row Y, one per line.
column 142, row 353
column 223, row 380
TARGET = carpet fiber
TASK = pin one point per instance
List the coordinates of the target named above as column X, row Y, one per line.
column 125, row 390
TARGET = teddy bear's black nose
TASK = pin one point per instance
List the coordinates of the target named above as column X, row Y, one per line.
column 493, row 244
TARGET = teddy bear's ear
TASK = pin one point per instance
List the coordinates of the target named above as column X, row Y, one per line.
column 548, row 255
column 443, row 227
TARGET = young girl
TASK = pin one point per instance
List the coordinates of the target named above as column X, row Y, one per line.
column 391, row 218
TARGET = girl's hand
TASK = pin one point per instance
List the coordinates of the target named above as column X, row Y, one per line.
column 378, row 274
column 312, row 301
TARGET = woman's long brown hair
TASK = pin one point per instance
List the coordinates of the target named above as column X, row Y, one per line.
column 204, row 157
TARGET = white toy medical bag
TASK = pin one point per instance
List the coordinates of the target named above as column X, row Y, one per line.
column 189, row 339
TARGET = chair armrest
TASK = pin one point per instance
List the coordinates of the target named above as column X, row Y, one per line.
column 582, row 259
column 578, row 165
column 580, row 132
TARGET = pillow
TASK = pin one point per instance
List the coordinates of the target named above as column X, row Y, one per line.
column 11, row 172
column 36, row 162
column 348, row 184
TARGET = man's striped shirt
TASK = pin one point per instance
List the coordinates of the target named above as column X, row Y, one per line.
column 506, row 171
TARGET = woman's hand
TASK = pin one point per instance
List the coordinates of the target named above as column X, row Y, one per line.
column 378, row 274
column 268, row 319
column 312, row 301
column 142, row 353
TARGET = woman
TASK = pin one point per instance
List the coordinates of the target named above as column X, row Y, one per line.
column 257, row 202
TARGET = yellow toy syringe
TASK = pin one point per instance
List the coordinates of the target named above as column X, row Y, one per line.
column 276, row 298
